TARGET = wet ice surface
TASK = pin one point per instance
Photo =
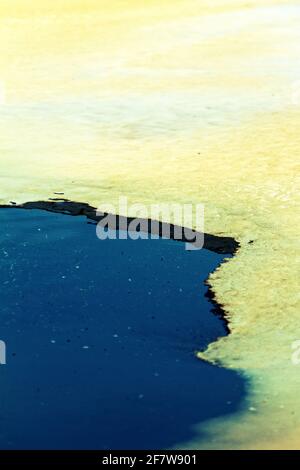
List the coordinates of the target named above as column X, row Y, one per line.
column 101, row 337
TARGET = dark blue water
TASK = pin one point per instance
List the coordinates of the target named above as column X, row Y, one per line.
column 101, row 337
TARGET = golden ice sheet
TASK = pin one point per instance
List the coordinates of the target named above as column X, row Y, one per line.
column 175, row 100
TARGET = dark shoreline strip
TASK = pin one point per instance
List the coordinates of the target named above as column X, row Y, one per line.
column 222, row 245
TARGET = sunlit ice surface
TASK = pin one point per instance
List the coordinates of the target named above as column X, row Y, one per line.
column 189, row 101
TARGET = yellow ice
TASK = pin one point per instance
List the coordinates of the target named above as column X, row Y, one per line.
column 176, row 100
